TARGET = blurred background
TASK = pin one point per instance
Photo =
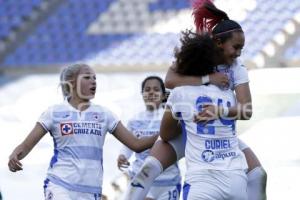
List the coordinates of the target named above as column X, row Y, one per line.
column 124, row 41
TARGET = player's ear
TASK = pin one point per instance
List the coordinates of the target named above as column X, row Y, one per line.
column 218, row 42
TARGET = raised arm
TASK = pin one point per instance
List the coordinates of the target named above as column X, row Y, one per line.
column 25, row 147
column 136, row 144
column 174, row 79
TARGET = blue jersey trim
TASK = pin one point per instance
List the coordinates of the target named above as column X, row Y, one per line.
column 186, row 190
column 74, row 187
column 54, row 157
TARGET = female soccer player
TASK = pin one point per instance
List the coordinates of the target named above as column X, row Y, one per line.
column 147, row 123
column 229, row 38
column 215, row 166
column 78, row 128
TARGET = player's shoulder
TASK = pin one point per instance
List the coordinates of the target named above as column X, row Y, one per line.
column 58, row 107
column 238, row 63
column 99, row 108
column 182, row 89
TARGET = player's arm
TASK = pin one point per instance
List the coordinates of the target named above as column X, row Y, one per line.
column 25, row 147
column 169, row 128
column 174, row 79
column 242, row 110
column 122, row 161
column 136, row 144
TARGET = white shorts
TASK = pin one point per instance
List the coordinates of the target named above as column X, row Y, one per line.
column 57, row 192
column 164, row 192
column 216, row 184
column 178, row 145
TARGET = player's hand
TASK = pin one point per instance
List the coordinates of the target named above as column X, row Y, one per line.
column 14, row 163
column 219, row 79
column 209, row 112
column 123, row 162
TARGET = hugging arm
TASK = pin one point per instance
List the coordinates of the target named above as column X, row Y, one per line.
column 242, row 110
column 174, row 79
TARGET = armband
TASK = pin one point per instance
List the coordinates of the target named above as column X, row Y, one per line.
column 205, row 79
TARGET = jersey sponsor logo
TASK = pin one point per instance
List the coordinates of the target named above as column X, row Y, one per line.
column 209, row 155
column 225, row 155
column 217, row 144
column 66, row 129
column 61, row 114
column 80, row 129
column 95, row 117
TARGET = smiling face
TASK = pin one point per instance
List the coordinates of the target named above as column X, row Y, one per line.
column 152, row 94
column 86, row 83
column 232, row 47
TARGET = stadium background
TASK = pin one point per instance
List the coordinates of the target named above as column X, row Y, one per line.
column 125, row 40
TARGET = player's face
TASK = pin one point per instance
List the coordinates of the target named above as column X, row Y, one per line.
column 86, row 83
column 232, row 47
column 152, row 93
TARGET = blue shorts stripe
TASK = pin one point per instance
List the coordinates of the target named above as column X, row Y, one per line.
column 186, row 189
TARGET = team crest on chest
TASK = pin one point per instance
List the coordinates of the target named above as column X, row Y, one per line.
column 66, row 128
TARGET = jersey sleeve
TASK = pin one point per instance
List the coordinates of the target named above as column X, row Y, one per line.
column 112, row 121
column 176, row 101
column 172, row 99
column 46, row 119
column 240, row 74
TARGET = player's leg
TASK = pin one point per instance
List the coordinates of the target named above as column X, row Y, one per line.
column 55, row 192
column 162, row 155
column 238, row 185
column 257, row 176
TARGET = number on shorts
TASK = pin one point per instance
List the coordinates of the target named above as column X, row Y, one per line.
column 173, row 195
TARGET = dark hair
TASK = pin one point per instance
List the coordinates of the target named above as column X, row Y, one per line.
column 208, row 18
column 197, row 55
column 161, row 82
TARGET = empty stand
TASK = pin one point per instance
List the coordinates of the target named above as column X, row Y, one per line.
column 120, row 32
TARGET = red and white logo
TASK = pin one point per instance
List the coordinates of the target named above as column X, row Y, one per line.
column 66, row 129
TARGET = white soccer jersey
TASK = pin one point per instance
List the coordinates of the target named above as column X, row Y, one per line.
column 146, row 124
column 237, row 74
column 208, row 146
column 77, row 163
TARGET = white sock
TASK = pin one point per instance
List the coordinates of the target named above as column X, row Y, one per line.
column 257, row 180
column 142, row 181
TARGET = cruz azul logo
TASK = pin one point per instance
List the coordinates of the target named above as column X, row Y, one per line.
column 66, row 129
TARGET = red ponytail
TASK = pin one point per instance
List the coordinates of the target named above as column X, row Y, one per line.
column 206, row 15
